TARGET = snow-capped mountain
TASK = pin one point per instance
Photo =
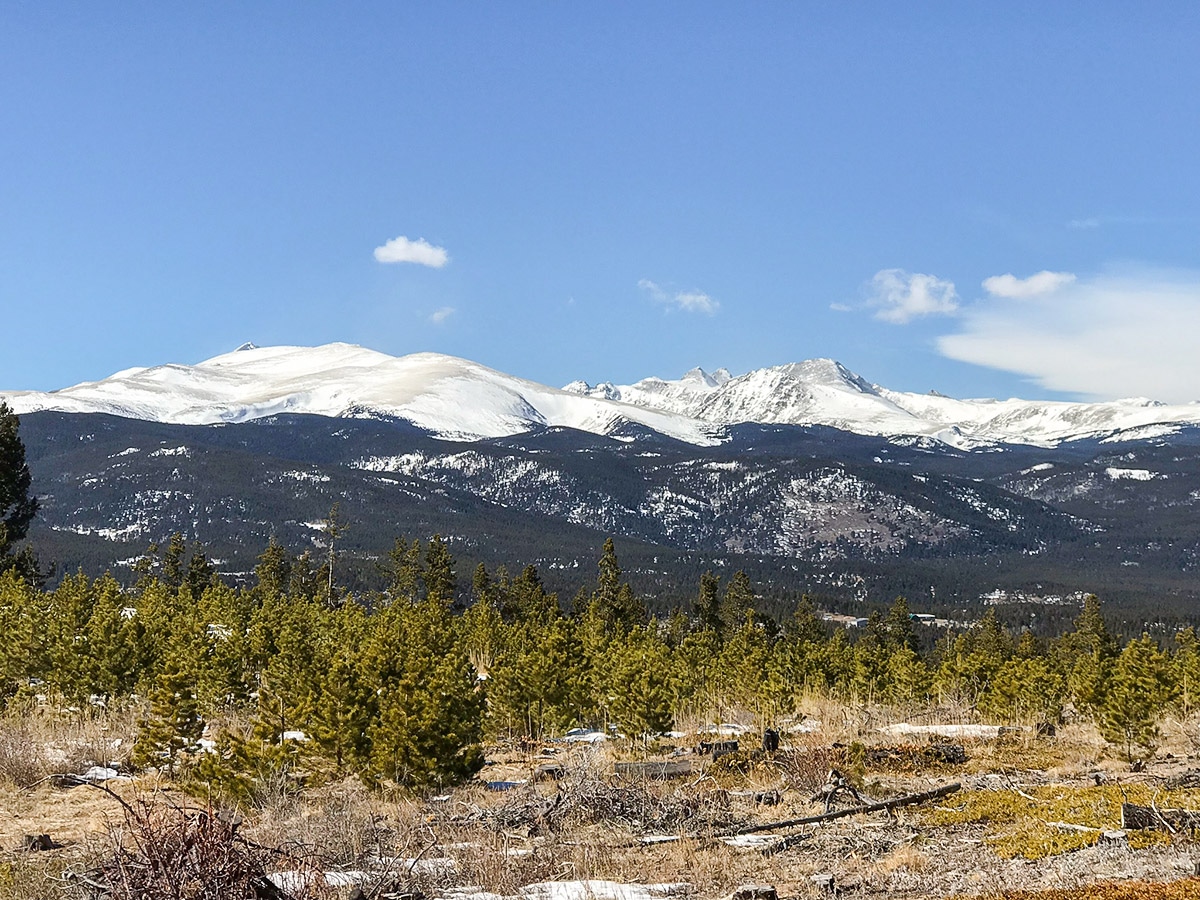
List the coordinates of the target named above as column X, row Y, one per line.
column 461, row 400
column 824, row 392
column 449, row 397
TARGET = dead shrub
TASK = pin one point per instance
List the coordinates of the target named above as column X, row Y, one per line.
column 805, row 770
column 164, row 851
column 21, row 760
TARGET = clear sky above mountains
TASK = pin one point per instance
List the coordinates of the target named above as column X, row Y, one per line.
column 986, row 202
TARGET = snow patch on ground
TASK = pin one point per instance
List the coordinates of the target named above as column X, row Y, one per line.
column 1117, row 474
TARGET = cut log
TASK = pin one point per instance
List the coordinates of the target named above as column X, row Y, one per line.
column 895, row 802
column 755, row 892
column 656, row 770
column 1134, row 816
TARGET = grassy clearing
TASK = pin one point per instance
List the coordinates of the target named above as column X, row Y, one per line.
column 1018, row 826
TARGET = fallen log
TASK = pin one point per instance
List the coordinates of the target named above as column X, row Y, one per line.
column 1134, row 816
column 907, row 800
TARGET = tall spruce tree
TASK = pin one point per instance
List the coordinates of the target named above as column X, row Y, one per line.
column 18, row 506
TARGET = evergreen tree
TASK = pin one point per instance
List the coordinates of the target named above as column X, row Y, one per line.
column 898, row 627
column 1086, row 656
column 18, row 505
column 404, row 572
column 737, row 605
column 1185, row 672
column 173, row 725
column 708, row 603
column 613, row 601
column 694, row 674
column 639, row 683
column 441, row 584
column 274, row 570
column 1024, row 689
column 344, row 704
column 172, row 561
column 112, row 642
column 908, row 679
column 1135, row 694
column 429, row 725
column 22, row 623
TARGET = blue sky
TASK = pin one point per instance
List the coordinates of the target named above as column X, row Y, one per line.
column 609, row 191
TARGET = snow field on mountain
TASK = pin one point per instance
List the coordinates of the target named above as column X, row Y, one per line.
column 460, row 400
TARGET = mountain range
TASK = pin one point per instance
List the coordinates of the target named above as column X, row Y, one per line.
column 805, row 475
column 459, row 400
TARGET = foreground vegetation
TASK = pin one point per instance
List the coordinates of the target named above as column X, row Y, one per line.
column 1029, row 814
column 403, row 686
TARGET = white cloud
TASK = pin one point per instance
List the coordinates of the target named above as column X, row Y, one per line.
column 420, row 251
column 1108, row 336
column 439, row 316
column 1022, row 288
column 686, row 301
column 899, row 296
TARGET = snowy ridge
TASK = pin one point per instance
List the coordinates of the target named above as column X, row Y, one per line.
column 461, row 400
column 824, row 392
column 450, row 397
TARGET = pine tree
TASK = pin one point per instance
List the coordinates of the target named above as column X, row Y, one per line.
column 1025, row 689
column 172, row 561
column 1086, row 656
column 333, row 527
column 737, row 605
column 344, row 704
column 613, row 601
column 404, row 572
column 1185, row 672
column 898, row 627
column 23, row 615
column 112, row 643
column 1135, row 695
column 639, row 683
column 273, row 571
column 173, row 725
column 708, row 603
column 18, row 505
column 429, row 725
column 441, row 583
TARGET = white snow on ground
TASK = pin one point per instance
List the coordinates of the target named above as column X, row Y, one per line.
column 583, row 890
column 462, row 400
column 981, row 732
column 1131, row 474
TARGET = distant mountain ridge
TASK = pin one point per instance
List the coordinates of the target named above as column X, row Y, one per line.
column 456, row 399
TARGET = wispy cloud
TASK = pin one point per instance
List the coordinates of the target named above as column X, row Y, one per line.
column 439, row 316
column 1107, row 336
column 899, row 297
column 685, row 301
column 402, row 250
column 1022, row 288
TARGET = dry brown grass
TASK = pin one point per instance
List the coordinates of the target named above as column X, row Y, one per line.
column 477, row 838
